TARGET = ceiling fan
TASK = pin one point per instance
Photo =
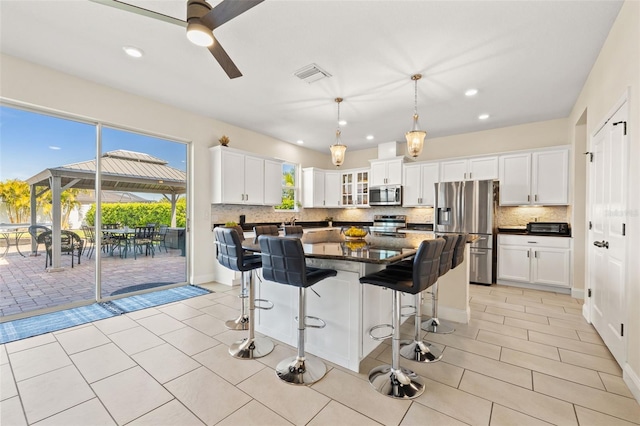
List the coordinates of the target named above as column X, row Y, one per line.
column 201, row 21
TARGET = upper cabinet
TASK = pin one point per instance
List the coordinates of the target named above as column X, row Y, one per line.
column 321, row 188
column 242, row 178
column 386, row 172
column 419, row 184
column 355, row 188
column 477, row 168
column 536, row 178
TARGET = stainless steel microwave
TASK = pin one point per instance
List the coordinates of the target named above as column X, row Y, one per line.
column 388, row 195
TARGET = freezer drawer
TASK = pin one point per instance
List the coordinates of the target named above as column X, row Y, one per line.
column 480, row 265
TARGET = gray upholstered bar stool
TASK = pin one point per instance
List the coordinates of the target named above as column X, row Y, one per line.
column 393, row 380
column 242, row 321
column 265, row 230
column 295, row 230
column 283, row 262
column 232, row 256
column 432, row 324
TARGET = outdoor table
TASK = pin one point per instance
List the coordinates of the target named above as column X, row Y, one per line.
column 17, row 230
column 124, row 233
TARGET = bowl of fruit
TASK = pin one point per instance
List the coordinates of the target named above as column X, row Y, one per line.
column 355, row 233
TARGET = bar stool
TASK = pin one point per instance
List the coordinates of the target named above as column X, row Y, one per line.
column 283, row 262
column 446, row 260
column 265, row 230
column 242, row 322
column 232, row 256
column 293, row 230
column 392, row 380
column 458, row 250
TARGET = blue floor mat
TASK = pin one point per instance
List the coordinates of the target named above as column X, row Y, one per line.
column 54, row 321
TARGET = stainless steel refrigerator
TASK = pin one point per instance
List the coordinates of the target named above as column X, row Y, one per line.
column 467, row 207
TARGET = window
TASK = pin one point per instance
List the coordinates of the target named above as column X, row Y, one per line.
column 289, row 187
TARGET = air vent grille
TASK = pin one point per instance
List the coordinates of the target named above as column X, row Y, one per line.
column 311, row 73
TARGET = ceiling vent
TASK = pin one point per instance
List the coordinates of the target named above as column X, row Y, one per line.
column 311, row 73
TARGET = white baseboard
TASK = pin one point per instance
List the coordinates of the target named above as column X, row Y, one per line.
column 205, row 278
column 586, row 312
column 542, row 287
column 632, row 380
column 577, row 293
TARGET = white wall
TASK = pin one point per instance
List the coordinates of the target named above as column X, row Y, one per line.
column 43, row 87
column 617, row 70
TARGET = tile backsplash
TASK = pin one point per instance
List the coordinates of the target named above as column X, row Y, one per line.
column 520, row 216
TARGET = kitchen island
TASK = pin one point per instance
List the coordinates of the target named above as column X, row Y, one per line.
column 349, row 308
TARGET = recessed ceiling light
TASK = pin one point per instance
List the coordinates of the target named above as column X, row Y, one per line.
column 342, row 122
column 471, row 92
column 299, row 141
column 483, row 116
column 132, row 51
column 370, row 137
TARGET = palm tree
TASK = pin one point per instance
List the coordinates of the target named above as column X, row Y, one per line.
column 15, row 196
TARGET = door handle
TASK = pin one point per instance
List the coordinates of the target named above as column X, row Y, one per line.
column 606, row 244
column 600, row 244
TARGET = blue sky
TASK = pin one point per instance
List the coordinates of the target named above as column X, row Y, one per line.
column 31, row 142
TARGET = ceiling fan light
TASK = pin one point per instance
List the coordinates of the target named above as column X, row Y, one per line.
column 199, row 34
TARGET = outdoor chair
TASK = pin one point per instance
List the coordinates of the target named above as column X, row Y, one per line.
column 143, row 237
column 160, row 238
column 89, row 240
column 70, row 243
column 35, row 231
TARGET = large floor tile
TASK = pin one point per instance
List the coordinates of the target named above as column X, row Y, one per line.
column 165, row 362
column 503, row 416
column 496, row 302
column 207, row 395
column 142, row 313
column 337, row 414
column 474, row 346
column 180, row 311
column 31, row 342
column 588, row 417
column 539, row 349
column 97, row 363
column 542, row 328
column 38, row 360
column 463, row 406
column 419, row 415
column 572, row 345
column 202, row 301
column 280, row 352
column 171, row 413
column 517, row 314
column 485, row 316
column 489, row 367
column 206, row 324
column 587, row 336
column 134, row 340
column 11, row 412
column 519, row 399
column 115, row 324
column 573, row 324
column 161, row 323
column 4, row 356
column 222, row 312
column 130, row 394
column 443, row 372
column 615, row 384
column 8, row 387
column 585, row 396
column 233, row 370
column 80, row 339
column 53, row 392
column 89, row 412
column 189, row 340
column 506, row 329
column 358, row 395
column 551, row 367
column 254, row 414
column 589, row 361
column 285, row 399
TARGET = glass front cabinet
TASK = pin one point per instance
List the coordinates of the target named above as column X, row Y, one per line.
column 355, row 188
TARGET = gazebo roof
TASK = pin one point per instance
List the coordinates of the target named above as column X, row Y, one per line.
column 122, row 170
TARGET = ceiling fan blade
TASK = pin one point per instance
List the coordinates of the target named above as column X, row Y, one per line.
column 226, row 11
column 224, row 60
column 140, row 11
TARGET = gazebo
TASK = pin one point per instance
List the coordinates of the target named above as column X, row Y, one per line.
column 119, row 170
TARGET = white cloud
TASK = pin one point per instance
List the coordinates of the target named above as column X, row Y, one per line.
column 55, row 148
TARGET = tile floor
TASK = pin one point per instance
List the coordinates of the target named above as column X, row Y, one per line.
column 526, row 358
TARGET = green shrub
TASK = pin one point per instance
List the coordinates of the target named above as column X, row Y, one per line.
column 139, row 214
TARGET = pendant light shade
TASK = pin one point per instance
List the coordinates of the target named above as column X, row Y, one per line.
column 415, row 137
column 338, row 150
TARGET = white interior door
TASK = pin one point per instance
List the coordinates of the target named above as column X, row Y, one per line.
column 607, row 243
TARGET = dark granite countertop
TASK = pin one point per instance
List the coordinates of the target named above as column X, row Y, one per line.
column 519, row 230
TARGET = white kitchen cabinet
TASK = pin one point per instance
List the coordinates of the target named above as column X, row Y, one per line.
column 419, row 184
column 542, row 261
column 321, row 188
column 475, row 168
column 386, row 172
column 535, row 178
column 354, row 188
column 241, row 178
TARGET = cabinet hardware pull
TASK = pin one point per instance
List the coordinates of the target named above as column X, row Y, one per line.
column 535, row 254
column 532, row 242
column 528, row 198
column 470, row 175
column 528, row 253
column 536, row 197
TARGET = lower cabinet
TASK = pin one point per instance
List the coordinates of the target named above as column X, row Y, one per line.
column 543, row 261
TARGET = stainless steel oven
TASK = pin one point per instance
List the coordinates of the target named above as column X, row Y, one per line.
column 389, row 195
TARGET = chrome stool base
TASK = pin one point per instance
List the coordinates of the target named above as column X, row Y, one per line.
column 434, row 326
column 240, row 323
column 420, row 351
column 301, row 371
column 250, row 349
column 399, row 384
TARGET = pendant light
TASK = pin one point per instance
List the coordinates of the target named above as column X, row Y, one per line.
column 338, row 149
column 415, row 137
